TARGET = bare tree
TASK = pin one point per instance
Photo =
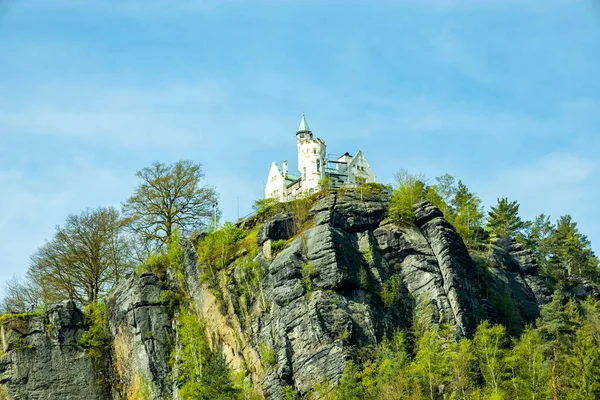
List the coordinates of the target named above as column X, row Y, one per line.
column 169, row 197
column 84, row 259
column 21, row 295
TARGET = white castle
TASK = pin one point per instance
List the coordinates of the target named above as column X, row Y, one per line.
column 314, row 165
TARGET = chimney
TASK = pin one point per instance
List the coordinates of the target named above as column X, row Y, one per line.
column 285, row 169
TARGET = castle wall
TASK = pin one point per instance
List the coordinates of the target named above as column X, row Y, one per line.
column 312, row 159
column 275, row 187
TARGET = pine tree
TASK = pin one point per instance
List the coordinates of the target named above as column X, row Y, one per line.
column 469, row 214
column 538, row 239
column 349, row 387
column 504, row 220
column 583, row 357
column 557, row 325
column 571, row 251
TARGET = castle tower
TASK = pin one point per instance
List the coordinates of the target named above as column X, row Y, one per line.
column 312, row 157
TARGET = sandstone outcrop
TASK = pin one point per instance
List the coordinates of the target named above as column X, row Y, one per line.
column 344, row 281
column 42, row 359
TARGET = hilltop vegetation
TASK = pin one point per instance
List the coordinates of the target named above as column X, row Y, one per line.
column 420, row 350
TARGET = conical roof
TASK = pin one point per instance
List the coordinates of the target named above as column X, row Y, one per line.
column 303, row 125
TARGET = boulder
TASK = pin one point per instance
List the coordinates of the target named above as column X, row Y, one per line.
column 280, row 227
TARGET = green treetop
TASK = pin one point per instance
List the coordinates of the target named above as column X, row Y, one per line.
column 504, row 220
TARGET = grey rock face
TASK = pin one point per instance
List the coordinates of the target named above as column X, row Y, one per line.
column 140, row 325
column 325, row 287
column 456, row 267
column 512, row 284
column 351, row 210
column 320, row 302
column 42, row 360
column 513, row 256
column 277, row 228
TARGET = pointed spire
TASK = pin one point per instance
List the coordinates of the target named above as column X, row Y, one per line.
column 303, row 125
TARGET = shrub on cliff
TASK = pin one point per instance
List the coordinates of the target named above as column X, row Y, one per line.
column 96, row 339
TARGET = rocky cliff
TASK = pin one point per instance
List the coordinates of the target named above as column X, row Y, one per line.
column 42, row 359
column 343, row 280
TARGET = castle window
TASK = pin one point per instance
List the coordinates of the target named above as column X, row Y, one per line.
column 318, row 165
column 314, row 151
column 304, row 173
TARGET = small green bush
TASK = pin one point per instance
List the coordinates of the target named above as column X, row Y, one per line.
column 308, row 271
column 96, row 339
column 391, row 290
column 278, row 245
column 268, row 355
column 266, row 208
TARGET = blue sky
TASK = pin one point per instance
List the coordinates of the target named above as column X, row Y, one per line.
column 504, row 94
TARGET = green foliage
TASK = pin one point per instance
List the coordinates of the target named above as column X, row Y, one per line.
column 96, row 339
column 308, row 271
column 538, row 239
column 249, row 278
column 431, row 364
column 83, row 260
column 561, row 250
column 441, row 195
column 410, row 190
column 508, row 311
column 469, row 215
column 278, row 245
column 504, row 220
column 268, row 355
column 17, row 316
column 363, row 278
column 571, row 251
column 216, row 250
column 564, row 349
column 266, row 208
column 289, row 393
column 529, row 375
column 203, row 373
column 489, row 345
column 172, row 298
column 379, row 187
column 349, row 387
column 169, row 197
column 300, row 210
column 325, row 183
column 391, row 290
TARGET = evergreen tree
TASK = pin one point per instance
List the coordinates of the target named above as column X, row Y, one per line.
column 349, row 387
column 504, row 220
column 469, row 214
column 571, row 251
column 582, row 358
column 583, row 366
column 538, row 239
column 557, row 325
